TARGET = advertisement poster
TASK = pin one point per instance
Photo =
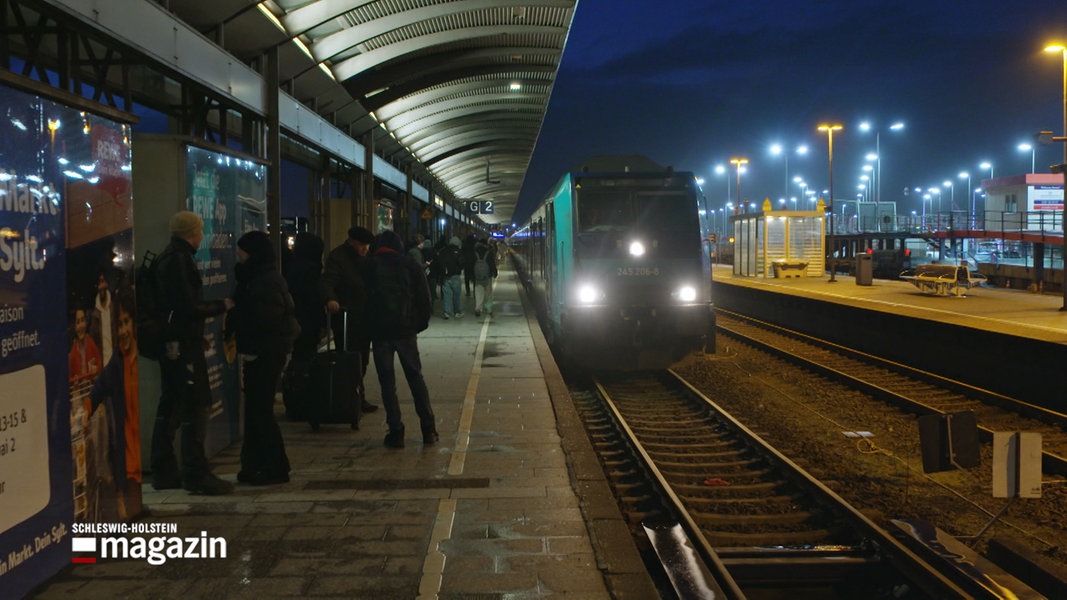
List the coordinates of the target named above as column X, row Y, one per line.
column 101, row 311
column 229, row 193
column 36, row 503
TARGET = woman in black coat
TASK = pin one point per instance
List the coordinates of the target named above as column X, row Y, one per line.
column 265, row 326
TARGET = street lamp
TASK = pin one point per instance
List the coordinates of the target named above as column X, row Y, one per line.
column 777, row 149
column 1033, row 155
column 970, row 199
column 830, row 129
column 866, row 126
column 988, row 165
column 1063, row 52
column 721, row 170
column 739, row 162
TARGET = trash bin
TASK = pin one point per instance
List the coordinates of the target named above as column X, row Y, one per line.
column 864, row 269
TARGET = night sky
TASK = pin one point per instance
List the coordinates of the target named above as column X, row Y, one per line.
column 694, row 83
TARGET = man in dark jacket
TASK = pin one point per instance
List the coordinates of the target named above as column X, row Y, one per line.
column 186, row 397
column 398, row 307
column 342, row 287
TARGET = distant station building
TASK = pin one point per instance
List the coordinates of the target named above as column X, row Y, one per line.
column 1027, row 202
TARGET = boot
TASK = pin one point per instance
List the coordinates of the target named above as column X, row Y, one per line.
column 430, row 436
column 395, row 438
column 207, row 484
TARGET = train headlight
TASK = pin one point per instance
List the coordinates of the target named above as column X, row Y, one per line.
column 637, row 249
column 588, row 294
column 686, row 293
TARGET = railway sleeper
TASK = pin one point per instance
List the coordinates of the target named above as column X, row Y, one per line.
column 799, row 520
column 717, row 447
column 779, row 567
column 811, row 537
column 759, row 486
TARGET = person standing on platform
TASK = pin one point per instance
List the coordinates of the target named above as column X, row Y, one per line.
column 398, row 308
column 466, row 255
column 484, row 273
column 415, row 250
column 451, row 269
column 186, row 395
column 264, row 322
column 342, row 287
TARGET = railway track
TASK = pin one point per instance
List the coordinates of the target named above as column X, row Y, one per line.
column 741, row 517
column 916, row 391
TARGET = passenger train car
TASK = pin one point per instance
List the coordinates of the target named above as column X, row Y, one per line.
column 618, row 262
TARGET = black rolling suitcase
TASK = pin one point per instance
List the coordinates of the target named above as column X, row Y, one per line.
column 295, row 388
column 334, row 382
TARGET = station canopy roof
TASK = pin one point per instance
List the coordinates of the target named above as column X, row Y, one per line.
column 454, row 89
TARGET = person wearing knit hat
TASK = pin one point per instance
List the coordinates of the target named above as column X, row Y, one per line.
column 342, row 288
column 188, row 226
column 264, row 322
column 257, row 245
column 186, row 398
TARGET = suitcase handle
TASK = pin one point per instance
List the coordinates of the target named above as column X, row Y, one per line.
column 344, row 329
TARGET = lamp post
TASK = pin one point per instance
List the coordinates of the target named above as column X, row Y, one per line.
column 739, row 162
column 1063, row 52
column 777, row 149
column 721, row 170
column 970, row 200
column 1033, row 155
column 985, row 165
column 830, row 129
column 866, row 126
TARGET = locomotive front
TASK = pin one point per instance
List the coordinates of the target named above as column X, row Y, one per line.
column 640, row 282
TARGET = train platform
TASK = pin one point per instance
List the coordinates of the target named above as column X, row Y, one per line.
column 510, row 503
column 1013, row 312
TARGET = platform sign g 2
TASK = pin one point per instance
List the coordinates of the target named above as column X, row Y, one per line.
column 483, row 207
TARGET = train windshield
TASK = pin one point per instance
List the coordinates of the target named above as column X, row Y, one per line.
column 606, row 211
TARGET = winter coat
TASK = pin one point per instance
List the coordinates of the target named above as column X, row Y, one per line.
column 181, row 297
column 263, row 316
column 341, row 281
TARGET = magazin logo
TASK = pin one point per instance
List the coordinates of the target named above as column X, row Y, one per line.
column 155, row 550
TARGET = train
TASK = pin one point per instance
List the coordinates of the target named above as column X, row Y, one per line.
column 617, row 260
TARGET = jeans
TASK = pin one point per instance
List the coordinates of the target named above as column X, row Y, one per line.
column 453, row 294
column 407, row 349
column 185, row 403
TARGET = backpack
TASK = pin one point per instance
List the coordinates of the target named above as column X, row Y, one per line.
column 481, row 267
column 389, row 300
column 450, row 261
column 150, row 328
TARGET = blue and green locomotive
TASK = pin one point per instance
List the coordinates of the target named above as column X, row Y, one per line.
column 618, row 263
